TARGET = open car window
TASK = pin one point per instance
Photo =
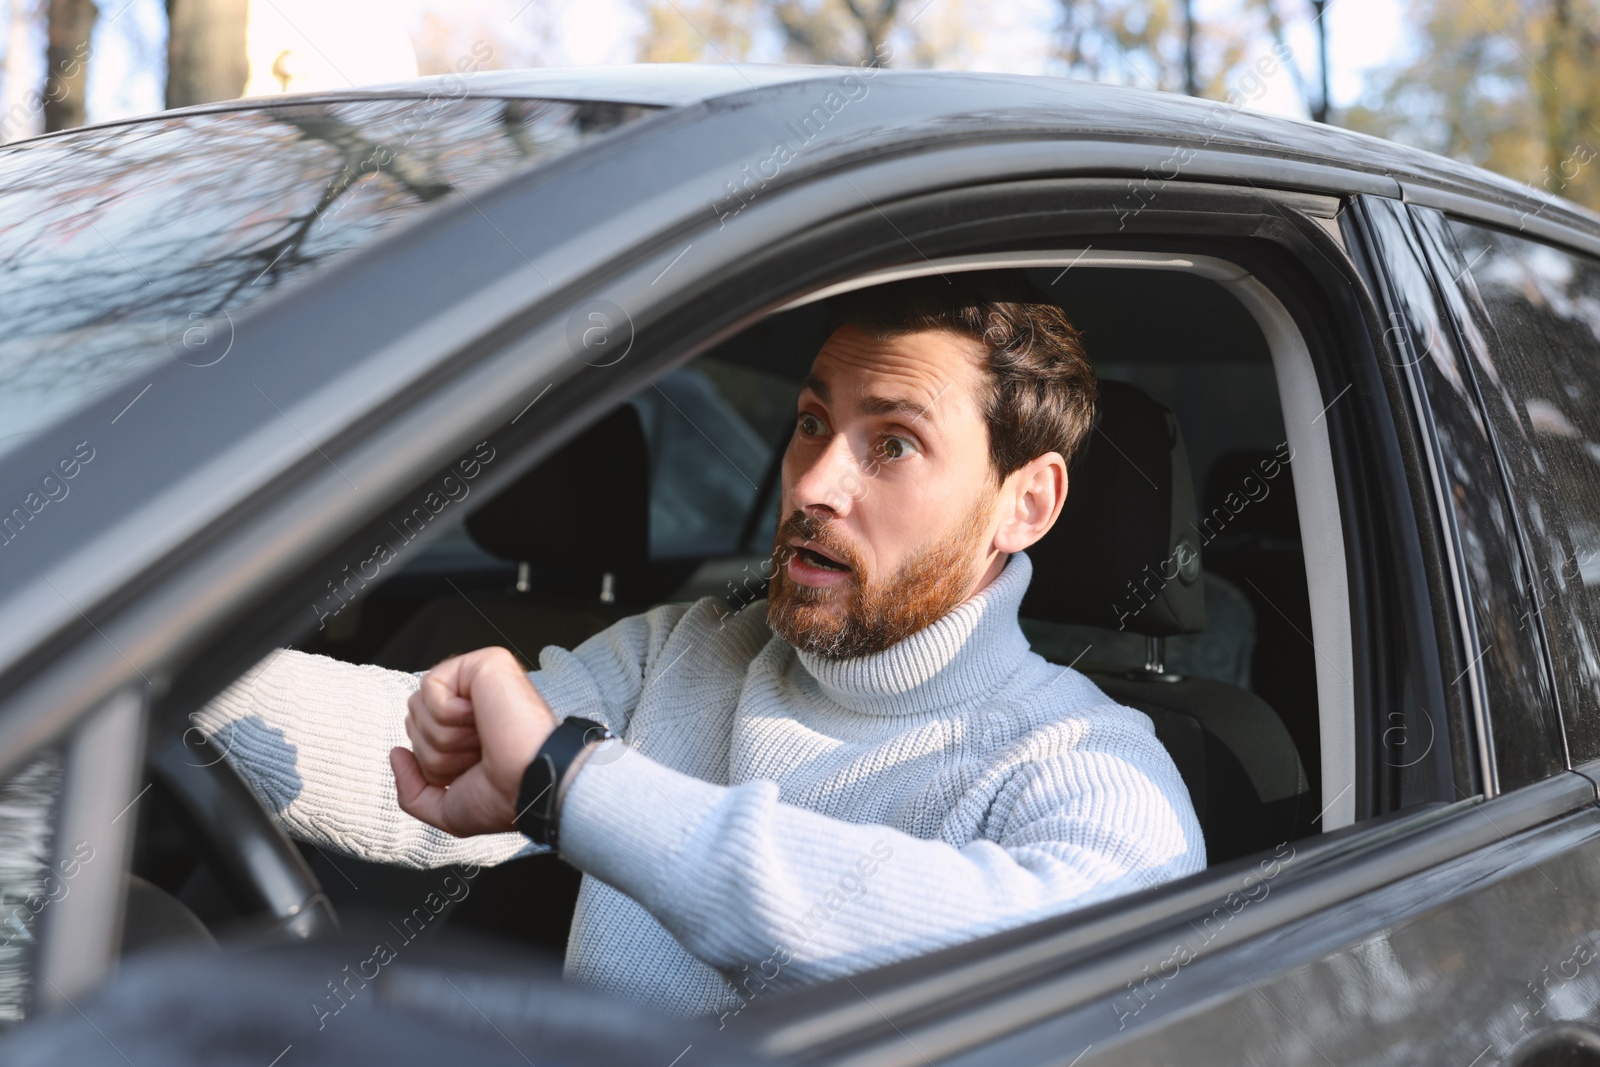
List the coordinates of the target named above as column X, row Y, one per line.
column 709, row 438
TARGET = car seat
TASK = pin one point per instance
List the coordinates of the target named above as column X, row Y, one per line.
column 579, row 523
column 1125, row 555
column 1256, row 543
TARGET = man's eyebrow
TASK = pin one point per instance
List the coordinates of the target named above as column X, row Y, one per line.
column 894, row 405
column 878, row 405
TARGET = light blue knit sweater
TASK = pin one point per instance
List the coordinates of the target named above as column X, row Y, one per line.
column 775, row 818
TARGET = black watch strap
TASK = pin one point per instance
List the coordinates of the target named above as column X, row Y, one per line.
column 538, row 801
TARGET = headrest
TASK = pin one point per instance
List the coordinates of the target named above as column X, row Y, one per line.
column 1124, row 554
column 1250, row 501
column 583, row 512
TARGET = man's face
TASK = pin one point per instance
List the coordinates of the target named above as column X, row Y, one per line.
column 889, row 505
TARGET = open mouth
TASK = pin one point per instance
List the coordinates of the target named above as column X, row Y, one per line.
column 816, row 558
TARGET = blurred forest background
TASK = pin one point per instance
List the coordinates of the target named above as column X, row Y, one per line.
column 1512, row 85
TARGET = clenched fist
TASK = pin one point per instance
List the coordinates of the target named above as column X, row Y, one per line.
column 475, row 725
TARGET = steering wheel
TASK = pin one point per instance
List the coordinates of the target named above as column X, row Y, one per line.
column 254, row 861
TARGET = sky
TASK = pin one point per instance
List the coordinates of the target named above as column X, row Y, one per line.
column 125, row 75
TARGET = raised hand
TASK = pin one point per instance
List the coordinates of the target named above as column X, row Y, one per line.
column 475, row 724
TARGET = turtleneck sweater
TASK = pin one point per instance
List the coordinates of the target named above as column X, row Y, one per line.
column 775, row 818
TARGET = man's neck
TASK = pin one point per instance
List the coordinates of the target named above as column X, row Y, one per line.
column 996, row 564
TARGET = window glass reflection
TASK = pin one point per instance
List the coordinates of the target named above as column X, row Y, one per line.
column 1541, row 383
column 124, row 245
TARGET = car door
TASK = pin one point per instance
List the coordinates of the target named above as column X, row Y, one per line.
column 1456, row 931
column 1459, row 931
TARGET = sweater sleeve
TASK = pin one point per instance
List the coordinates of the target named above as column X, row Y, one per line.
column 750, row 885
column 603, row 677
column 311, row 736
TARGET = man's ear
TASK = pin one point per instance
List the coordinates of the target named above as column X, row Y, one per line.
column 1030, row 499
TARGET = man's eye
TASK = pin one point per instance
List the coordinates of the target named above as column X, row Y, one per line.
column 896, row 447
column 810, row 425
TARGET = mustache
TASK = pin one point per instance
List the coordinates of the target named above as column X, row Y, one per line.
column 822, row 533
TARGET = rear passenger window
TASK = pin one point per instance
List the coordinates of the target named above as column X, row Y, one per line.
column 1540, row 375
column 714, row 431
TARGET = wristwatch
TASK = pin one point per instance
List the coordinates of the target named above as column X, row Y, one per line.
column 544, row 782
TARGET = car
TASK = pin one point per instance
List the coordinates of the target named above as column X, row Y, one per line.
column 336, row 371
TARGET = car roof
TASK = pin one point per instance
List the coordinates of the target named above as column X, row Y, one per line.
column 657, row 84
column 1086, row 109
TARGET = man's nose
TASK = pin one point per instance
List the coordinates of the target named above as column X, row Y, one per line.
column 831, row 485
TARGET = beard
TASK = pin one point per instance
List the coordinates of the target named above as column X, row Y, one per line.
column 870, row 613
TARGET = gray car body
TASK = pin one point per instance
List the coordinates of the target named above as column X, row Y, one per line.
column 164, row 574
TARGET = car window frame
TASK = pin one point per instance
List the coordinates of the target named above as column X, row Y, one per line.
column 1317, row 497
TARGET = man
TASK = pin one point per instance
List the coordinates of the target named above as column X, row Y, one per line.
column 869, row 765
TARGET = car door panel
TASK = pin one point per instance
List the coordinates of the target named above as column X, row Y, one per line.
column 1470, row 942
column 1465, row 962
column 1327, row 930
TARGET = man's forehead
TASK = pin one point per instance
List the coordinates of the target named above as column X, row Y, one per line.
column 921, row 366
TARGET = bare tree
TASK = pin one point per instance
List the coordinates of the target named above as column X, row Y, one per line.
column 1314, row 95
column 67, row 63
column 1323, row 108
column 206, row 58
column 1123, row 41
column 844, row 32
column 1191, row 81
column 680, row 32
column 1154, row 44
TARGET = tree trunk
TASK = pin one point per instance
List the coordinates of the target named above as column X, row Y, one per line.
column 1191, row 83
column 206, row 59
column 873, row 23
column 1323, row 108
column 21, row 91
column 67, row 63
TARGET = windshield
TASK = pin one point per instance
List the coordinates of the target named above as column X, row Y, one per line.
column 127, row 245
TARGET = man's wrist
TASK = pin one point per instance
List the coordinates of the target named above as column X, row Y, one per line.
column 550, row 774
column 582, row 759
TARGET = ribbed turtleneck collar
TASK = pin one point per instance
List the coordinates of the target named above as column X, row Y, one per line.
column 958, row 659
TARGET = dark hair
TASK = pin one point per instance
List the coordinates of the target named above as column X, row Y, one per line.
column 1041, row 387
